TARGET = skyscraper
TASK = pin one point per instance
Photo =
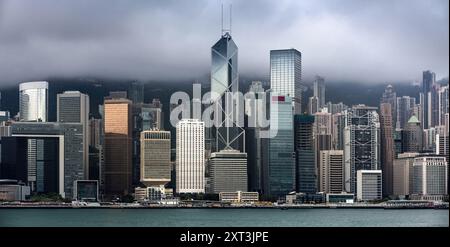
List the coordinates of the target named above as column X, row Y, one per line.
column 430, row 177
column 136, row 92
column 279, row 163
column 286, row 75
column 51, row 148
column 433, row 105
column 190, row 156
column 402, row 174
column 338, row 126
column 306, row 178
column 412, row 136
column 362, row 143
column 387, row 147
column 405, row 109
column 322, row 123
column 319, row 90
column 33, row 101
column 73, row 107
column 429, row 79
column 313, row 105
column 443, row 104
column 155, row 157
column 390, row 97
column 117, row 145
column 331, row 172
column 228, row 171
column 225, row 78
column 254, row 110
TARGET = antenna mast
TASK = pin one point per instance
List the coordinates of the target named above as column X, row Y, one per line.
column 224, row 30
column 230, row 17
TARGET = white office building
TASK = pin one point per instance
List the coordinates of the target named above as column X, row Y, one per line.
column 190, row 156
column 33, row 101
column 368, row 185
column 430, row 177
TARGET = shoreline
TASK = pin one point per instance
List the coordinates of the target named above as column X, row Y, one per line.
column 290, row 207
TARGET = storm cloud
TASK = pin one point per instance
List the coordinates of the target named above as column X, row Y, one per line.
column 353, row 40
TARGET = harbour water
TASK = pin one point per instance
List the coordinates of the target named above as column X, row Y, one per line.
column 204, row 217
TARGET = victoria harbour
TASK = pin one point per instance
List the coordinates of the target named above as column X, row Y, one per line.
column 223, row 218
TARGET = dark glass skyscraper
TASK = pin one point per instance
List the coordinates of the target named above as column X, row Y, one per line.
column 306, row 178
column 225, row 78
column 278, row 156
column 428, row 81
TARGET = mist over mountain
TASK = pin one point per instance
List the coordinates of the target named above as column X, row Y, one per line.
column 97, row 89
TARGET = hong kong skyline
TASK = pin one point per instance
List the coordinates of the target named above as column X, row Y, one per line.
column 357, row 41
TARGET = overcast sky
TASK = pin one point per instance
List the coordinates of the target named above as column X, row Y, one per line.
column 353, row 40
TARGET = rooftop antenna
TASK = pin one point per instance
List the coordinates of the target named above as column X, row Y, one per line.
column 230, row 18
column 224, row 30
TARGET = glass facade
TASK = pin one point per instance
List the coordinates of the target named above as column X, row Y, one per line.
column 362, row 143
column 286, row 75
column 33, row 101
column 304, row 147
column 280, row 163
column 225, row 78
column 224, row 66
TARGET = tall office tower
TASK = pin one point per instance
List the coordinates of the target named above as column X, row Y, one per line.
column 305, row 154
column 412, row 136
column 190, row 156
column 254, row 111
column 433, row 105
column 286, row 75
column 33, row 101
column 369, row 185
column 442, row 145
column 361, row 143
column 387, row 147
column 155, row 158
column 430, row 177
column 49, row 149
column 429, row 79
column 429, row 139
column 336, row 108
column 152, row 115
column 136, row 92
column 96, row 152
column 443, row 104
column 398, row 143
column 96, row 132
column 319, row 90
column 323, row 123
column 225, row 79
column 313, row 105
column 402, row 177
column 390, row 97
column 117, row 145
column 228, row 171
column 144, row 117
column 73, row 107
column 337, row 133
column 322, row 134
column 405, row 109
column 279, row 162
column 331, row 172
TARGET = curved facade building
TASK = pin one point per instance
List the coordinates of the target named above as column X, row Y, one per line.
column 33, row 101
